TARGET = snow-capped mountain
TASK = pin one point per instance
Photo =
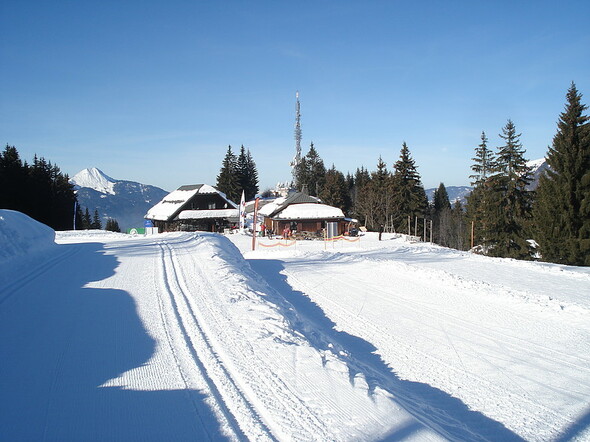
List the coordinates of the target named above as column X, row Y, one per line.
column 94, row 178
column 125, row 201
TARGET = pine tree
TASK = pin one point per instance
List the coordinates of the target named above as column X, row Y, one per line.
column 335, row 191
column 227, row 180
column 507, row 203
column 96, row 224
column 311, row 172
column 441, row 216
column 483, row 163
column 252, row 173
column 483, row 166
column 112, row 225
column 409, row 197
column 41, row 191
column 86, row 220
column 361, row 180
column 242, row 172
column 562, row 209
column 13, row 180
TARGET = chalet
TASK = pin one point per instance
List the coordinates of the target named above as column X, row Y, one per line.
column 194, row 207
column 302, row 213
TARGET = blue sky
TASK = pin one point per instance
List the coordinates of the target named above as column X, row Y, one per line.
column 155, row 91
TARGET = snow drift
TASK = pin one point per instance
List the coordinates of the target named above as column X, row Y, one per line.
column 21, row 235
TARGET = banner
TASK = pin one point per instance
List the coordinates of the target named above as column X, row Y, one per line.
column 242, row 212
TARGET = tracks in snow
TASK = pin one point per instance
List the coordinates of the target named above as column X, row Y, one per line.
column 36, row 272
column 252, row 401
column 185, row 335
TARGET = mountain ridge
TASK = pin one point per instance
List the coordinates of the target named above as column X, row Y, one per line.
column 125, row 201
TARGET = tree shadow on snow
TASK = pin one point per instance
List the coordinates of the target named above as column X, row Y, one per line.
column 431, row 407
column 60, row 341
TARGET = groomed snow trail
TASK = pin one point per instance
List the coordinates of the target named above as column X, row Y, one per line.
column 507, row 339
column 175, row 337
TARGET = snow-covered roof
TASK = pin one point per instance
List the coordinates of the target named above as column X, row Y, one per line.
column 174, row 201
column 310, row 211
column 207, row 214
column 269, row 208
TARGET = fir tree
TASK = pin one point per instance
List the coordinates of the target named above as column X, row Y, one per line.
column 409, row 197
column 361, row 180
column 227, row 180
column 311, row 172
column 86, row 220
column 41, row 191
column 507, row 203
column 112, row 225
column 96, row 224
column 562, row 209
column 483, row 166
column 13, row 180
column 335, row 191
column 483, row 163
column 441, row 216
column 252, row 174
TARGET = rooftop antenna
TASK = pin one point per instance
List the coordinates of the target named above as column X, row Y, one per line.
column 297, row 159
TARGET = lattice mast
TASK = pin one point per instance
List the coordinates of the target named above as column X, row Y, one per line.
column 297, row 159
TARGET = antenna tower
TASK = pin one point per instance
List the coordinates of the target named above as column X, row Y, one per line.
column 297, row 159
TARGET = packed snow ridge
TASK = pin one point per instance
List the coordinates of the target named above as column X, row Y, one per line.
column 94, row 178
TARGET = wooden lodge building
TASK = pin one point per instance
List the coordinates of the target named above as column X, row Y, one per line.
column 302, row 213
column 194, row 207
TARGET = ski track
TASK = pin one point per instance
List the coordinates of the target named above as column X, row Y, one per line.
column 37, row 271
column 195, row 365
column 278, row 407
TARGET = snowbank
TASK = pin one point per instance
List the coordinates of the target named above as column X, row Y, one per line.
column 21, row 235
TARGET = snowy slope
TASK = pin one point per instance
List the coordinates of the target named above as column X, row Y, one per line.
column 178, row 337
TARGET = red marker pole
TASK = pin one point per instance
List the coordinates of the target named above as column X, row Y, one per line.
column 255, row 222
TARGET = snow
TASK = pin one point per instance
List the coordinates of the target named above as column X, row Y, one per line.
column 94, row 179
column 310, row 211
column 270, row 207
column 203, row 214
column 195, row 336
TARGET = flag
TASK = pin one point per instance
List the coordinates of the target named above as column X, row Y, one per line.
column 242, row 212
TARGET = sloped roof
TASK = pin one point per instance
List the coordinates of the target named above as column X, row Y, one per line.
column 295, row 198
column 208, row 214
column 309, row 211
column 175, row 200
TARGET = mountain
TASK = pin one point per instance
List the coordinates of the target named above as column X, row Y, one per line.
column 125, row 201
column 538, row 167
column 456, row 193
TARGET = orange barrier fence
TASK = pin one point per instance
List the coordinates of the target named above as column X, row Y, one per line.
column 278, row 243
column 341, row 237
